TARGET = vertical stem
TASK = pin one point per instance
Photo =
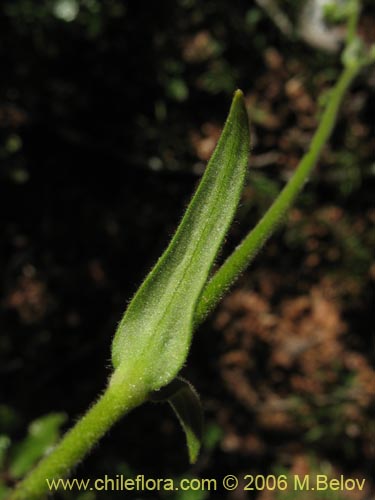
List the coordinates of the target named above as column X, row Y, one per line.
column 253, row 242
column 353, row 22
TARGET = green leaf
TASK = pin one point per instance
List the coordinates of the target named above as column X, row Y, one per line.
column 4, row 445
column 186, row 404
column 9, row 419
column 43, row 433
column 4, row 490
column 154, row 336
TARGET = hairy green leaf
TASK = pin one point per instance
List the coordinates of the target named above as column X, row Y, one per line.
column 153, row 338
column 186, row 404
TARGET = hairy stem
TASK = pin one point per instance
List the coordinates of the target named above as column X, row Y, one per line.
column 239, row 260
column 117, row 400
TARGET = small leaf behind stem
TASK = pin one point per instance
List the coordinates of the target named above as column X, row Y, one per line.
column 186, row 404
column 154, row 336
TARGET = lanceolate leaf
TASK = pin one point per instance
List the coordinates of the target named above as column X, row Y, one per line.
column 186, row 404
column 153, row 338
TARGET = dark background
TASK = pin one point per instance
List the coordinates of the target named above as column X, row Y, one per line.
column 108, row 113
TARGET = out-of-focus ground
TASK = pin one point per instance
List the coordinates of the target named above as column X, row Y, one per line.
column 108, row 114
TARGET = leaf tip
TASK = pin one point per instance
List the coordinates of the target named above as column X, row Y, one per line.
column 239, row 107
column 193, row 450
column 238, row 95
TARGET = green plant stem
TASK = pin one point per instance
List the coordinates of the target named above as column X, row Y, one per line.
column 353, row 22
column 239, row 260
column 118, row 399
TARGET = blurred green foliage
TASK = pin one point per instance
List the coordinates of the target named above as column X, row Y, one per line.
column 17, row 458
